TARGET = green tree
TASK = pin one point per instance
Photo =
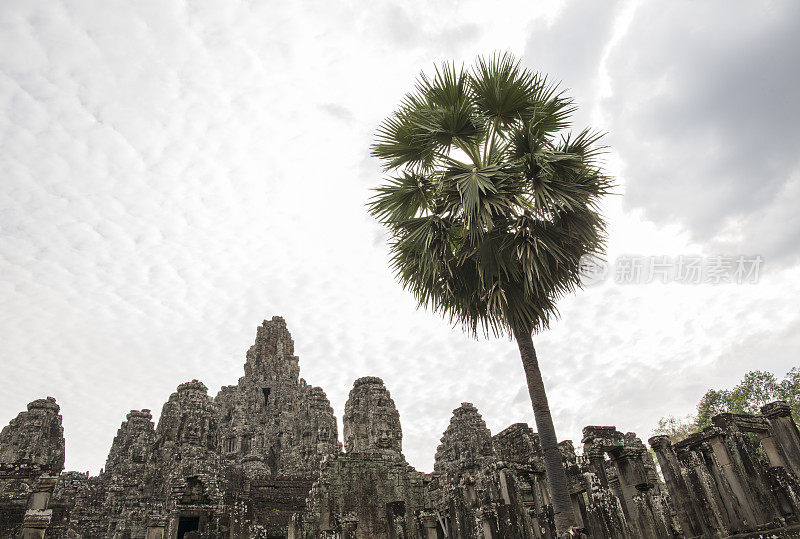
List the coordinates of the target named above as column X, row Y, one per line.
column 756, row 389
column 712, row 403
column 789, row 391
column 675, row 427
column 490, row 207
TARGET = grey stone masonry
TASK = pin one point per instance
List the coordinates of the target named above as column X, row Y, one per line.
column 736, row 477
column 31, row 458
column 272, row 423
column 371, row 421
column 263, row 460
column 370, row 491
column 34, row 440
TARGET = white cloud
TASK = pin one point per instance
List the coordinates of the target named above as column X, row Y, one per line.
column 704, row 115
column 175, row 173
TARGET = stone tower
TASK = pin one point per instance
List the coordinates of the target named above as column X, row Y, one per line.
column 35, row 439
column 131, row 476
column 369, row 492
column 466, row 443
column 371, row 421
column 272, row 423
column 132, row 448
column 189, row 463
column 465, row 488
column 186, row 445
column 31, row 457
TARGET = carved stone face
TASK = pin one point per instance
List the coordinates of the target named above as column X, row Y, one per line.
column 371, row 421
column 138, row 454
column 383, row 436
column 34, row 436
column 191, row 430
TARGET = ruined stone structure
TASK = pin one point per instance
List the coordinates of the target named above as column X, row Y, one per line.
column 272, row 423
column 369, row 491
column 623, row 494
column 738, row 476
column 263, row 459
column 31, row 457
column 474, row 493
column 238, row 465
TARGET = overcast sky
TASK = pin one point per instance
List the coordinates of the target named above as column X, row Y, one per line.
column 173, row 173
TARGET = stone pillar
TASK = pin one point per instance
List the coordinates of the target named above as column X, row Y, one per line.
column 428, row 520
column 735, row 454
column 504, row 493
column 629, row 479
column 686, row 502
column 349, row 526
column 700, row 481
column 155, row 528
column 486, row 517
column 606, row 519
column 771, row 449
column 597, row 465
column 38, row 514
column 785, row 434
column 712, row 475
column 645, row 509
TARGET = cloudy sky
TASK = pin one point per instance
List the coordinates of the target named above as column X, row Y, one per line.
column 173, row 173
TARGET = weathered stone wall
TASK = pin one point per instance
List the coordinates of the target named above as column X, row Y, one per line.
column 263, row 459
column 34, row 440
column 265, row 507
column 738, row 476
column 370, row 491
column 65, row 495
column 31, row 457
column 90, row 514
column 371, row 421
column 272, row 423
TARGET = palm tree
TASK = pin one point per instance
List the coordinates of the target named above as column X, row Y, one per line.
column 490, row 207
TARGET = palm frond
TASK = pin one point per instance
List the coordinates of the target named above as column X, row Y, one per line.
column 501, row 89
column 401, row 197
column 493, row 242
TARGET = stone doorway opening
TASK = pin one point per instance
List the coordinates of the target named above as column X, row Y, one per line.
column 188, row 524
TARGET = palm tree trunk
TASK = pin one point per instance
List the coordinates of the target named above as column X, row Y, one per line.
column 553, row 467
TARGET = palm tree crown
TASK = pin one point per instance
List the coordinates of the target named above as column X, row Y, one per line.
column 492, row 202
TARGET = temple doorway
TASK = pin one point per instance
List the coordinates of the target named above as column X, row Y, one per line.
column 188, row 524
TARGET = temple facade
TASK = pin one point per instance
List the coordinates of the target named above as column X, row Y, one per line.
column 262, row 459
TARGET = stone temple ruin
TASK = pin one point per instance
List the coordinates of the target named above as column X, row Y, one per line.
column 263, row 459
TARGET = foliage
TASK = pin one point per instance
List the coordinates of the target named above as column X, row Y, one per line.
column 491, row 203
column 756, row 389
column 675, row 427
column 712, row 403
column 789, row 390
